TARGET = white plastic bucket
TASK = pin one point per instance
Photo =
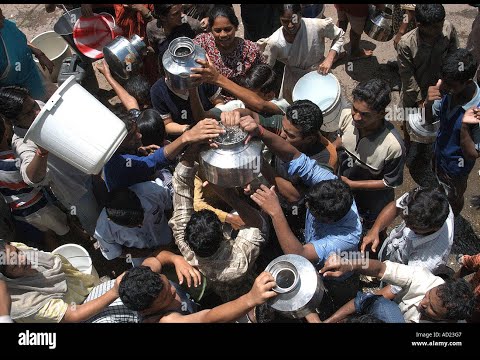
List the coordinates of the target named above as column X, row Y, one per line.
column 77, row 128
column 55, row 48
column 78, row 256
column 419, row 131
column 326, row 92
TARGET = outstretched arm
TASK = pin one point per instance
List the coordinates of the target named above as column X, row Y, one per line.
column 208, row 73
column 268, row 201
column 232, row 310
column 128, row 101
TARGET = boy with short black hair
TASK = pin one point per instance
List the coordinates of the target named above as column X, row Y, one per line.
column 134, row 222
column 448, row 101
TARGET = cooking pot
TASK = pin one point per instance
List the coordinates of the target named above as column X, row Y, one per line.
column 178, row 61
column 299, row 286
column 233, row 163
column 124, row 57
column 379, row 25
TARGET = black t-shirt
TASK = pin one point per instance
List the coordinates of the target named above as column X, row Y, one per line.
column 166, row 102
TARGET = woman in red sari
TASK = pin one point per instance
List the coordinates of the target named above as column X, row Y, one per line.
column 232, row 56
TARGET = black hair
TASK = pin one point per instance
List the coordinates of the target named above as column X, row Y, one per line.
column 306, row 115
column 264, row 313
column 151, row 126
column 428, row 14
column 139, row 87
column 124, row 208
column 375, row 92
column 161, row 10
column 425, row 209
column 260, row 77
column 204, row 233
column 329, row 200
column 11, row 101
column 458, row 298
column 364, row 318
column 139, row 288
column 459, row 66
column 295, row 8
column 222, row 11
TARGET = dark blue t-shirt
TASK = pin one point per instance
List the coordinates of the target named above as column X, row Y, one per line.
column 124, row 170
column 165, row 101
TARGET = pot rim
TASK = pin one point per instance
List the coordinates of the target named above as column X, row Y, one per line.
column 182, row 41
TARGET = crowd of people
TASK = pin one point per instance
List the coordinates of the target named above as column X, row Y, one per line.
column 195, row 251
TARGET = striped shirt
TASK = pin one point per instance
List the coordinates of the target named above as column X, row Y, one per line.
column 230, row 271
column 22, row 198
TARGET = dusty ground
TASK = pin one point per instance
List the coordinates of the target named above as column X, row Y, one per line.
column 33, row 20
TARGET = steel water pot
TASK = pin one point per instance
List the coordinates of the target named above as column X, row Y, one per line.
column 125, row 57
column 299, row 286
column 178, row 61
column 233, row 163
column 379, row 25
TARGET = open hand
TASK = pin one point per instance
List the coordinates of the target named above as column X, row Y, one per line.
column 324, row 67
column 267, row 199
column 371, row 238
column 472, row 116
column 262, row 289
column 207, row 73
column 186, row 271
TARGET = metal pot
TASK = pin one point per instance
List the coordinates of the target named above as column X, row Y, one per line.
column 233, row 163
column 379, row 25
column 178, row 61
column 299, row 286
column 124, row 57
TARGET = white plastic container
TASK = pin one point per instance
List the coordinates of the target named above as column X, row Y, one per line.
column 326, row 92
column 77, row 128
column 55, row 48
column 78, row 256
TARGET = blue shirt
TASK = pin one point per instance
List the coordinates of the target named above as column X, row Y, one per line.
column 448, row 152
column 124, row 170
column 343, row 235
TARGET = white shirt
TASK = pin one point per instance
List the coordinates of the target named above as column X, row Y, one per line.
column 415, row 281
column 155, row 232
column 405, row 247
column 282, row 104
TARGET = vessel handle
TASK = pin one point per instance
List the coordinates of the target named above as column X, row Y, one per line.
column 52, row 101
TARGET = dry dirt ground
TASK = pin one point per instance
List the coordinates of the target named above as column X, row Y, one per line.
column 33, row 20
